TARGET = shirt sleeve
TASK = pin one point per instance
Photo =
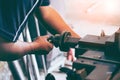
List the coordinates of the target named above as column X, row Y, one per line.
column 43, row 3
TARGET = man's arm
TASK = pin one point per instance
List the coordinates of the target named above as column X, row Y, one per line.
column 11, row 51
column 53, row 21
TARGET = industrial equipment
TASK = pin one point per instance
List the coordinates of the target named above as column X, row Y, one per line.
column 98, row 57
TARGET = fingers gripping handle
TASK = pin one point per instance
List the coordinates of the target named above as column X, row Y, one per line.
column 63, row 41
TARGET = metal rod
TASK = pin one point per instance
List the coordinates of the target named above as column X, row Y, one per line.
column 16, row 70
column 101, row 60
column 38, row 34
column 33, row 67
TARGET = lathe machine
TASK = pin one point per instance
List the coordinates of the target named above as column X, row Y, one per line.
column 98, row 57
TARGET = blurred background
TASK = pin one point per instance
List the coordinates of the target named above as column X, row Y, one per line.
column 90, row 16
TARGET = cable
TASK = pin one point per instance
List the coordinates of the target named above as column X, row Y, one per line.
column 23, row 22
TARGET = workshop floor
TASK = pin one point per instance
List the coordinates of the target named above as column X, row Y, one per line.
column 6, row 75
column 56, row 73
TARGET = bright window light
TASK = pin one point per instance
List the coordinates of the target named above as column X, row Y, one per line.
column 111, row 6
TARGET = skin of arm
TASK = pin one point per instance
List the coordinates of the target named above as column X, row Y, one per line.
column 54, row 23
column 10, row 51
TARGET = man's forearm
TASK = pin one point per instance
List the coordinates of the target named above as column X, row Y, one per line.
column 12, row 51
column 53, row 21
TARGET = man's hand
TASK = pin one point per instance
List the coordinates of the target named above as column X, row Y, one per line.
column 42, row 46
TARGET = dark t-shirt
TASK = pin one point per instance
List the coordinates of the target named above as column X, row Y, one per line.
column 13, row 13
